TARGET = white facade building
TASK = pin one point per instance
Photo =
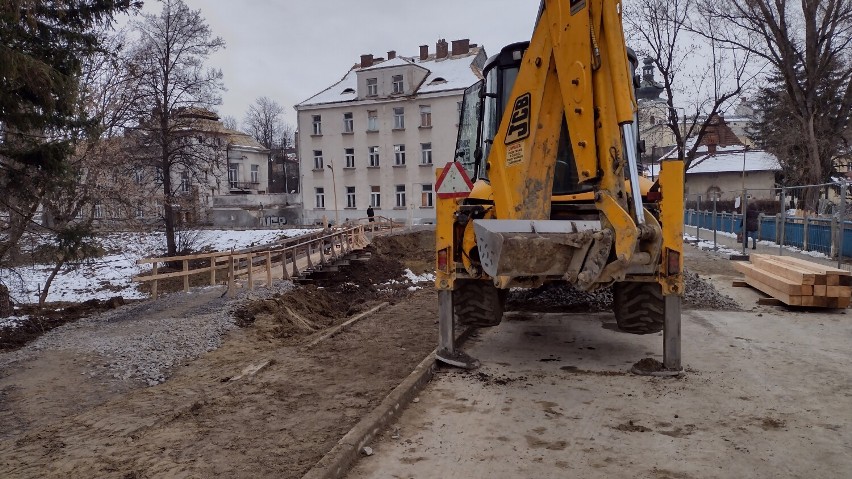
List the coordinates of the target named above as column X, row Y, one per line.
column 375, row 137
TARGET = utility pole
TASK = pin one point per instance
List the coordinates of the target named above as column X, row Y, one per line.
column 330, row 166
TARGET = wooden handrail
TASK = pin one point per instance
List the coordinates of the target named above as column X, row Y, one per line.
column 275, row 255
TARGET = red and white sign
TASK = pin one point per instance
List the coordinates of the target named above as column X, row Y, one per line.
column 453, row 182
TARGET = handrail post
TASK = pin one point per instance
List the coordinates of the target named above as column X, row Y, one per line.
column 295, row 253
column 185, row 276
column 310, row 261
column 154, row 284
column 250, row 274
column 268, row 269
column 284, row 273
column 231, row 274
column 213, row 270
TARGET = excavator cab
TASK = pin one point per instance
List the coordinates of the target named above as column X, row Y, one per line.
column 549, row 137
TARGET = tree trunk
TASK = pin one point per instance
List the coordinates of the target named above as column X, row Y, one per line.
column 815, row 172
column 5, row 302
column 42, row 295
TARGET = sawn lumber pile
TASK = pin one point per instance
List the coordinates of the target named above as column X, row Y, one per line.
column 797, row 282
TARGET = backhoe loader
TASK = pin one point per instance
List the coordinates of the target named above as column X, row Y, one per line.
column 549, row 139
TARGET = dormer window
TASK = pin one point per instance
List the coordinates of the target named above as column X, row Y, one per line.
column 348, row 90
column 372, row 86
column 397, row 84
column 438, row 81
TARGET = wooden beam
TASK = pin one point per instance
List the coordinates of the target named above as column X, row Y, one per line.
column 782, row 285
column 785, row 271
column 788, row 299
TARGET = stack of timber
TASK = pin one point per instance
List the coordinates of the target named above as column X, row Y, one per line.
column 797, row 282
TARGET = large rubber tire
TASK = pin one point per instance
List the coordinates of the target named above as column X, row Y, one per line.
column 639, row 307
column 478, row 303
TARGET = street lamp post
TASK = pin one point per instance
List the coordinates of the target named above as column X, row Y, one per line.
column 330, row 166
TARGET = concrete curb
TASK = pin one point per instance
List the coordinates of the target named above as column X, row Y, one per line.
column 337, row 462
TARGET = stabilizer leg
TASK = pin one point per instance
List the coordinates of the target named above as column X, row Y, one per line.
column 671, row 333
column 447, row 352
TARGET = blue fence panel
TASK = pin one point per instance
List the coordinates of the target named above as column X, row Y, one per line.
column 847, row 240
column 767, row 228
column 794, row 234
column 819, row 236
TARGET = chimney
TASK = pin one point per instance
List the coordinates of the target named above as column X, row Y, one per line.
column 442, row 49
column 367, row 60
column 424, row 52
column 461, row 47
column 391, row 54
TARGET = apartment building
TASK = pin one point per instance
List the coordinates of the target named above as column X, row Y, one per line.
column 375, row 137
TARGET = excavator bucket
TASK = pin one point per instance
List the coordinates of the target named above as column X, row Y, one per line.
column 572, row 250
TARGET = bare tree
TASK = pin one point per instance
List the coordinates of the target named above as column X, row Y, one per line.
column 177, row 92
column 673, row 34
column 805, row 42
column 263, row 121
column 230, row 123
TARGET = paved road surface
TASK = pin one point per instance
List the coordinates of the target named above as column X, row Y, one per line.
column 767, row 395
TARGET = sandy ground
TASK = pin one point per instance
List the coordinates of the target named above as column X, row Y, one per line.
column 61, row 418
column 767, row 394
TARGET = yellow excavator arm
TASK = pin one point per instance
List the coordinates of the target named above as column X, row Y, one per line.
column 570, row 109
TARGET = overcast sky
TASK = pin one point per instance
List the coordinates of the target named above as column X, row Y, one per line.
column 288, row 50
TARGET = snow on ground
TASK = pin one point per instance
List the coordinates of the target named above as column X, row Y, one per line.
column 109, row 275
column 708, row 244
column 12, row 321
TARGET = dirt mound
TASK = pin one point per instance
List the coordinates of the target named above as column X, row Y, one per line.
column 335, row 296
column 293, row 314
column 699, row 294
column 416, row 250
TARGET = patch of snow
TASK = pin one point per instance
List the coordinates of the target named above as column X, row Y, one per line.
column 12, row 321
column 110, row 275
column 422, row 278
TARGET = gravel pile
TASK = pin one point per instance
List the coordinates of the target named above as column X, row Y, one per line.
column 145, row 340
column 561, row 297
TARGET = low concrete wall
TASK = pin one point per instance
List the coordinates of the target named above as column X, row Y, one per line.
column 252, row 218
column 267, row 201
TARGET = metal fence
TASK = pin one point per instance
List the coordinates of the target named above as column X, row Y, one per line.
column 810, row 218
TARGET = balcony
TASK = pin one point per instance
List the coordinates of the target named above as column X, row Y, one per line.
column 243, row 186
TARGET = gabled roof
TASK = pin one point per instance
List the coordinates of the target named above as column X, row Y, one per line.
column 445, row 74
column 727, row 159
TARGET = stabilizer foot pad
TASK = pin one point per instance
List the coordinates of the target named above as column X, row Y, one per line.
column 459, row 359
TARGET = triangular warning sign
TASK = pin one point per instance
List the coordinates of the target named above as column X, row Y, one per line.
column 453, row 182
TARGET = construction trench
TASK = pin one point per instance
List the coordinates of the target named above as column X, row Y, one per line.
column 202, row 385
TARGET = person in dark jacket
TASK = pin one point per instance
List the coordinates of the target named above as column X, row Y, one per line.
column 751, row 221
column 370, row 213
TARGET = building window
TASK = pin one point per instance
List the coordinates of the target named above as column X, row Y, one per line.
column 137, row 176
column 98, row 212
column 233, row 175
column 348, row 123
column 426, row 196
column 350, row 196
column 376, row 196
column 184, row 181
column 255, row 173
column 399, row 155
column 317, row 124
column 425, row 115
column 374, row 155
column 372, row 86
column 349, row 156
column 426, row 153
column 318, row 164
column 398, row 118
column 400, row 196
column 158, row 174
column 372, row 120
column 140, row 211
column 397, row 84
column 319, row 194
